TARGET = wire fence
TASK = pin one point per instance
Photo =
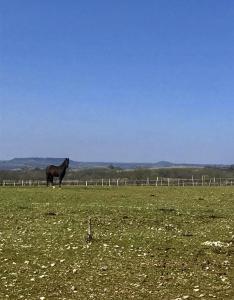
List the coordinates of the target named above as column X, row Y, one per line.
column 127, row 182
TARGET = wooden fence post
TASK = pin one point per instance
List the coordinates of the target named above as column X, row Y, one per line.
column 192, row 180
column 89, row 231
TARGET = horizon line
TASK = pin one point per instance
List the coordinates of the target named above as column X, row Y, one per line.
column 122, row 162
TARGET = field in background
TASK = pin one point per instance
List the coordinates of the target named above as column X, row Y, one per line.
column 149, row 243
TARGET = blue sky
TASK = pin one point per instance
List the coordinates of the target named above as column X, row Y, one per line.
column 117, row 80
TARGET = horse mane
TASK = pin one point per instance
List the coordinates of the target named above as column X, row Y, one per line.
column 63, row 163
column 66, row 160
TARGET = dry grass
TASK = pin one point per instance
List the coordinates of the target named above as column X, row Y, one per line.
column 149, row 243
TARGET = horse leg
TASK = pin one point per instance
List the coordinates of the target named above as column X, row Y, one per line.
column 48, row 179
column 60, row 181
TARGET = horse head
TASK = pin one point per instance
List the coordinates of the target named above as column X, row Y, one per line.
column 67, row 162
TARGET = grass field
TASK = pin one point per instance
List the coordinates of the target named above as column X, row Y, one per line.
column 149, row 243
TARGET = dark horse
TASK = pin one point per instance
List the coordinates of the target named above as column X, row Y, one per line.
column 56, row 171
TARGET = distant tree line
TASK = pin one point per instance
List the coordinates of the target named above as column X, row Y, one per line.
column 112, row 172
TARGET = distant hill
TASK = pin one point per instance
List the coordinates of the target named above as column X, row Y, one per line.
column 41, row 163
column 32, row 163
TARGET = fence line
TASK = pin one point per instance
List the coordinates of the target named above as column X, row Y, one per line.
column 128, row 182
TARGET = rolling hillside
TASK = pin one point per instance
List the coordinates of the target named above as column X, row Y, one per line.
column 41, row 163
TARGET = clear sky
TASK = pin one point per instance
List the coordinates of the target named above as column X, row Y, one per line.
column 126, row 80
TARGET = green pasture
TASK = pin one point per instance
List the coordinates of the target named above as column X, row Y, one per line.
column 148, row 243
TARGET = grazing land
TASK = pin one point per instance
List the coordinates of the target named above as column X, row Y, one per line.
column 148, row 243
